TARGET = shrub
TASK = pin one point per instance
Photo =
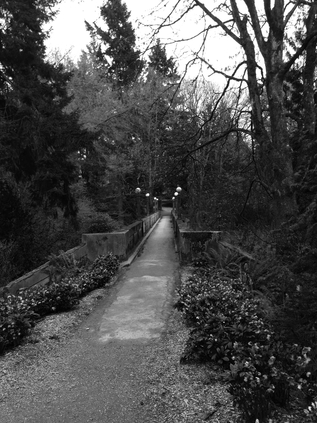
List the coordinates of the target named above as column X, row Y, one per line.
column 264, row 374
column 15, row 322
column 101, row 222
column 104, row 267
column 210, row 304
column 53, row 298
column 229, row 328
column 18, row 312
column 64, row 265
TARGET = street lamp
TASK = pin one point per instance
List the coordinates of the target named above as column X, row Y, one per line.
column 179, row 190
column 138, row 191
column 173, row 199
column 155, row 203
column 176, row 201
column 147, row 203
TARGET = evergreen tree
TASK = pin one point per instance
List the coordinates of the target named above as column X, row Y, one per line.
column 159, row 61
column 115, row 46
column 37, row 138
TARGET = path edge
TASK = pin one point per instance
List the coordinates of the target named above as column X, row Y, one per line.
column 128, row 262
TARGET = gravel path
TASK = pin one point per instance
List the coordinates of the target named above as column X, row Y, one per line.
column 42, row 380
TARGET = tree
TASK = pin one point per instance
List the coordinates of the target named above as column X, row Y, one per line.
column 261, row 31
column 159, row 61
column 115, row 46
column 37, row 138
column 119, row 64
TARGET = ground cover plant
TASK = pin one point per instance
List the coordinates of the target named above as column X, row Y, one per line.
column 230, row 326
column 18, row 313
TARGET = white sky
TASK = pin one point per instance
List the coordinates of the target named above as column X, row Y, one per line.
column 68, row 28
column 69, row 32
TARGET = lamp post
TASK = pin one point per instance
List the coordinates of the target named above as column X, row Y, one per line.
column 147, row 203
column 173, row 199
column 155, row 204
column 138, row 191
column 176, row 202
column 179, row 190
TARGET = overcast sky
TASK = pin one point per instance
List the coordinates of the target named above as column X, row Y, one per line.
column 68, row 29
column 69, row 32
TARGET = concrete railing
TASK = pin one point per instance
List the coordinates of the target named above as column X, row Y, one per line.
column 121, row 243
column 189, row 243
column 40, row 275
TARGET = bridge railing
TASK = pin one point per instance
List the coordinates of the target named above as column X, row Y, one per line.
column 121, row 243
column 188, row 242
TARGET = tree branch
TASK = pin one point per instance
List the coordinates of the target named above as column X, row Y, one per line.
column 218, row 21
column 219, row 137
column 232, row 77
column 286, row 67
column 256, row 25
column 291, row 12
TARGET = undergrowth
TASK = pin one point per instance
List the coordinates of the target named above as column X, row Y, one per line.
column 18, row 313
column 232, row 325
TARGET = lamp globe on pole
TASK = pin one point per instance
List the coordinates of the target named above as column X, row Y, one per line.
column 147, row 202
column 178, row 191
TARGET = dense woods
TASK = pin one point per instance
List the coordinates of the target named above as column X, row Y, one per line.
column 77, row 139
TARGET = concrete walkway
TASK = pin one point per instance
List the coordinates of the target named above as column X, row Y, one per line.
column 139, row 310
column 99, row 375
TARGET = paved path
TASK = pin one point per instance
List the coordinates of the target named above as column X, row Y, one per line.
column 138, row 312
column 98, row 376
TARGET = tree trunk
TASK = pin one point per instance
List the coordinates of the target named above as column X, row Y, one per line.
column 275, row 153
column 309, row 74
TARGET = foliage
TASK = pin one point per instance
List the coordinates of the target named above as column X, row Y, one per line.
column 229, row 327
column 15, row 322
column 219, row 308
column 158, row 60
column 38, row 141
column 55, row 297
column 18, row 313
column 114, row 46
column 37, row 138
column 311, row 411
column 39, row 236
column 104, row 267
column 64, row 264
column 101, row 222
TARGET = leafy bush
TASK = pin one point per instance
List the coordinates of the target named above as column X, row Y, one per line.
column 53, row 298
column 209, row 302
column 15, row 323
column 104, row 267
column 19, row 312
column 229, row 328
column 64, row 265
column 265, row 373
column 101, row 222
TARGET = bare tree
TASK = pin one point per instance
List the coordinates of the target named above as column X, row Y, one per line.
column 261, row 29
